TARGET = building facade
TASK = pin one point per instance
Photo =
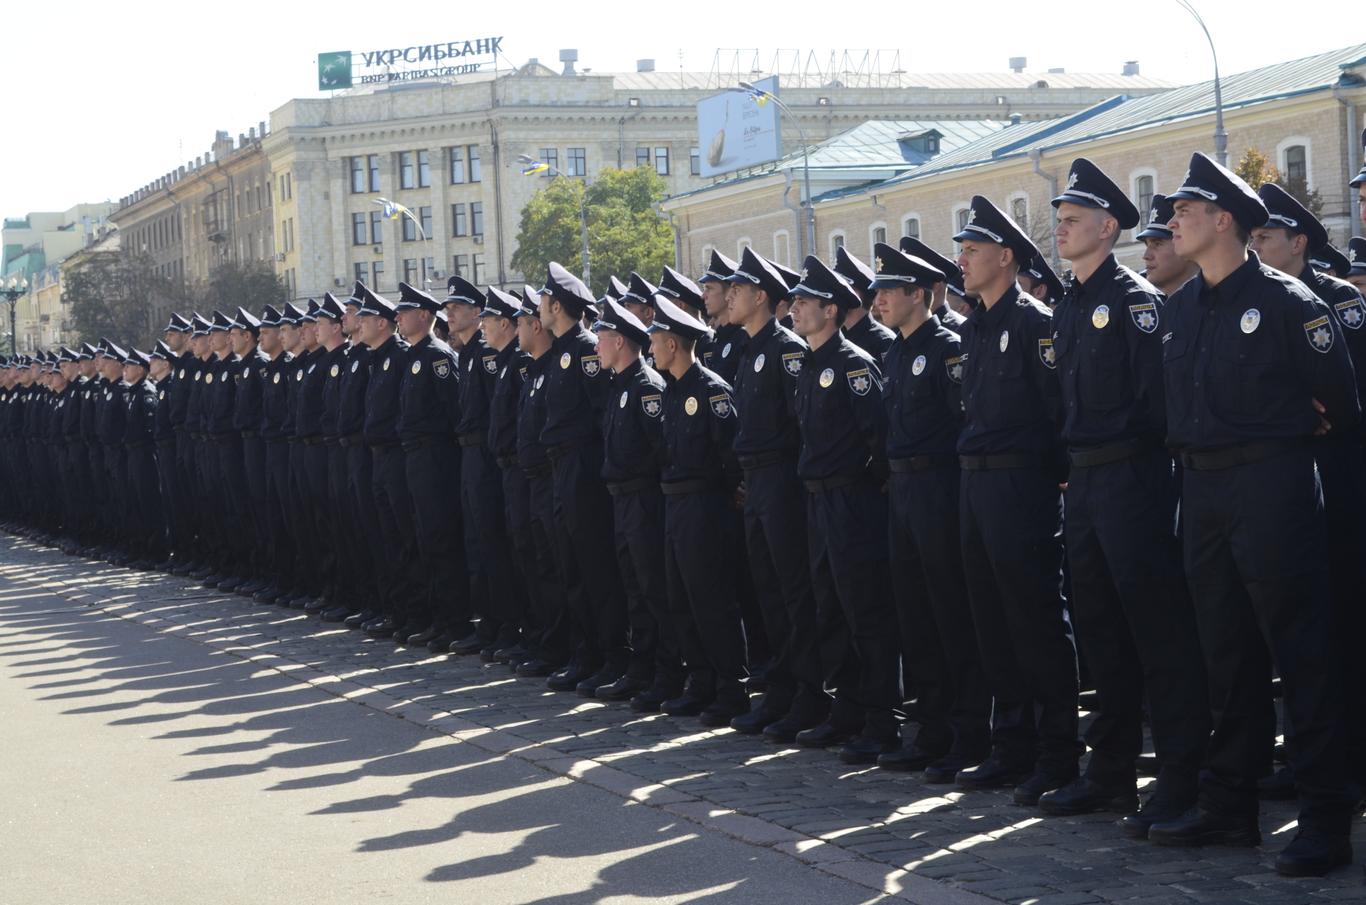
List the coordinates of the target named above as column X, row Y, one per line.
column 35, row 245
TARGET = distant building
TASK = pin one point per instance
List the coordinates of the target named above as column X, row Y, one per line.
column 34, row 247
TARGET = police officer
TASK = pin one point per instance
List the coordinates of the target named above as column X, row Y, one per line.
column 766, row 446
column 331, row 480
column 175, row 386
column 1285, row 242
column 843, row 464
column 308, row 461
column 1134, row 618
column 111, row 426
column 488, row 554
column 1038, row 279
column 1254, row 366
column 162, row 374
column 1356, row 258
column 1161, row 265
column 697, row 479
column 429, row 410
column 147, row 531
column 714, row 289
column 633, row 442
column 921, row 391
column 952, row 283
column 1011, row 463
column 860, row 327
column 577, row 388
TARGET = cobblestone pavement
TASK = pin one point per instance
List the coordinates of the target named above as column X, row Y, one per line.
column 888, row 832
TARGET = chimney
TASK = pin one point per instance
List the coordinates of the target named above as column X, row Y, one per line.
column 645, row 65
column 1015, row 119
column 261, row 128
column 569, row 58
column 251, row 133
column 1131, row 67
column 1018, row 64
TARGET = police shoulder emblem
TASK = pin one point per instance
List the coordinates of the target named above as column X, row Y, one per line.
column 827, row 377
column 355, row 365
column 691, row 405
column 1046, row 353
column 491, row 364
column 860, row 381
column 1005, row 340
column 590, row 364
column 565, row 359
column 442, row 368
column 417, row 366
column 1144, row 316
column 1100, row 318
column 725, row 351
column 954, row 367
column 625, row 394
column 1351, row 313
column 336, row 369
column 652, row 405
column 918, row 366
column 759, row 363
column 792, row 362
column 1320, row 333
column 1251, row 319
column 720, row 405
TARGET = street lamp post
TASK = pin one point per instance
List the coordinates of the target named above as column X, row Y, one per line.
column 759, row 94
column 535, row 166
column 12, row 290
column 1220, row 136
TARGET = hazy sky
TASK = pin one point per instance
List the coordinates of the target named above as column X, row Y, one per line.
column 102, row 98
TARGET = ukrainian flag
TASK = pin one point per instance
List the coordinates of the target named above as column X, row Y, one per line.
column 539, row 166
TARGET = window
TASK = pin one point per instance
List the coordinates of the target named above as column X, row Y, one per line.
column 361, row 271
column 476, row 168
column 358, row 234
column 960, row 219
column 662, row 161
column 376, row 224
column 373, row 162
column 457, row 165
column 642, row 157
column 694, row 162
column 1296, row 164
column 424, row 169
column 407, row 174
column 409, row 228
column 1019, row 212
column 1143, row 196
column 428, row 269
column 911, row 227
column 424, row 217
column 377, row 270
column 740, row 246
column 577, row 162
column 836, row 243
column 357, row 165
column 459, row 225
column 289, row 185
column 460, row 265
column 782, row 247
column 410, row 272
column 477, row 274
column 288, row 235
column 550, row 157
column 476, row 218
column 877, row 234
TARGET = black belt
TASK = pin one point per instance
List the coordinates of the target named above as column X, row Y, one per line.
column 834, row 482
column 250, row 435
column 700, row 485
column 621, row 488
column 1109, row 453
column 352, row 439
column 763, row 459
column 310, row 441
column 1242, row 454
column 473, row 439
column 1001, row 461
column 507, row 461
column 920, row 463
column 560, row 450
column 538, row 470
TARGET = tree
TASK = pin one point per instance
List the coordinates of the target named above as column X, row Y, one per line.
column 624, row 231
column 117, row 295
column 249, row 285
column 1256, row 169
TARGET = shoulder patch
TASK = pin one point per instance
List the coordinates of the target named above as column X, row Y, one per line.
column 720, row 405
column 590, row 364
column 491, row 364
column 792, row 362
column 1144, row 316
column 1319, row 333
column 442, row 368
column 953, row 366
column 652, row 405
column 860, row 381
column 1351, row 313
column 1046, row 353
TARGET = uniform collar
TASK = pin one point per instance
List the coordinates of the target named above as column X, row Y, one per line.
column 993, row 316
column 1233, row 283
column 1104, row 273
column 633, row 369
column 922, row 335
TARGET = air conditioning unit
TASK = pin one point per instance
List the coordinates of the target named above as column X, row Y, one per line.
column 280, row 256
column 378, row 249
column 338, row 282
column 436, row 274
column 478, row 239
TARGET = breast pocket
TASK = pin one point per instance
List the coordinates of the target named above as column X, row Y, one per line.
column 1245, row 373
column 1103, row 357
column 1008, row 395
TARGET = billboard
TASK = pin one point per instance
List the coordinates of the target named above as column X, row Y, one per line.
column 735, row 130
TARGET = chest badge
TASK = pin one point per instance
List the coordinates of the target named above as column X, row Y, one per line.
column 355, row 365
column 336, row 369
column 417, row 367
column 565, row 359
column 181, row 375
column 691, row 405
column 208, row 378
column 276, row 379
column 540, row 380
column 1252, row 319
column 298, row 376
column 827, row 378
column 1100, row 317
column 625, row 394
column 385, row 367
column 918, row 366
column 725, row 351
column 759, row 363
column 1005, row 340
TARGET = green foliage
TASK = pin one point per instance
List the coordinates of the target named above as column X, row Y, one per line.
column 624, row 231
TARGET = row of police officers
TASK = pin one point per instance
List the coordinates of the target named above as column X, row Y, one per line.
column 845, row 486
